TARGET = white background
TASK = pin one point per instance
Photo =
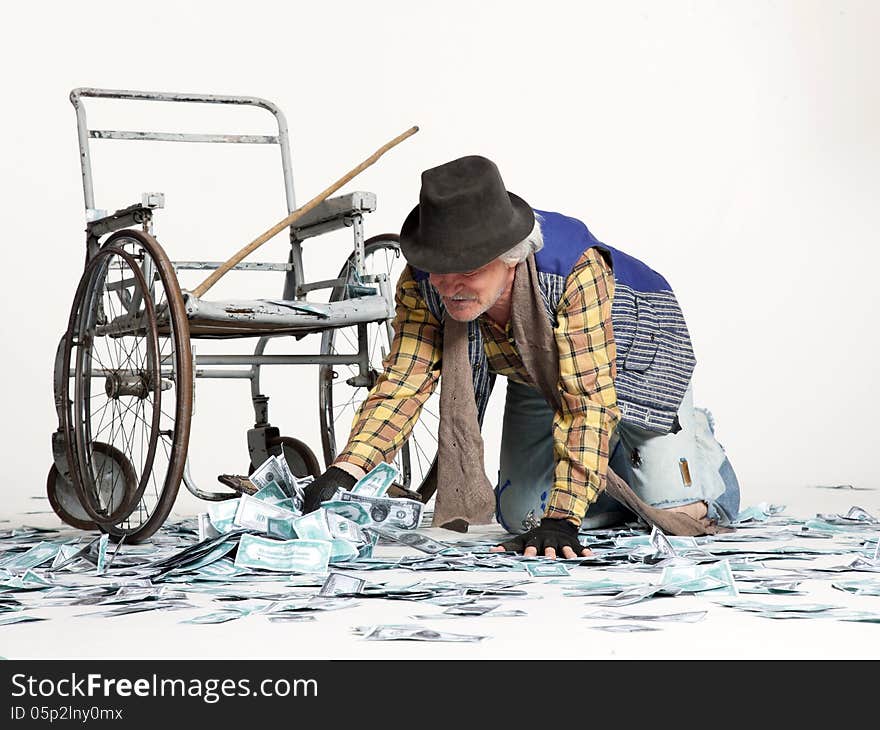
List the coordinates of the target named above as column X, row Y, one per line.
column 733, row 146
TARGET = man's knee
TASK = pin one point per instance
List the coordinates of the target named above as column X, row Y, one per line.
column 519, row 505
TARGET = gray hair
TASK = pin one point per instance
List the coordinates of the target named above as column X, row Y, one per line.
column 532, row 244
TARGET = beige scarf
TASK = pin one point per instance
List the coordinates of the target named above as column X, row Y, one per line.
column 464, row 494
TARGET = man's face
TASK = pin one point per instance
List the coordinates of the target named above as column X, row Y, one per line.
column 466, row 296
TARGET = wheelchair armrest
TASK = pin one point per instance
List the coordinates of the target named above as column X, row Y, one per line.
column 133, row 215
column 334, row 213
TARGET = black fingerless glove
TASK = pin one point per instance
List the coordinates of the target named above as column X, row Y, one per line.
column 551, row 533
column 325, row 486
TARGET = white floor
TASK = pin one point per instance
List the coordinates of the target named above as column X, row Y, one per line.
column 553, row 628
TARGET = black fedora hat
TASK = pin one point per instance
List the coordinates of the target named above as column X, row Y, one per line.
column 465, row 218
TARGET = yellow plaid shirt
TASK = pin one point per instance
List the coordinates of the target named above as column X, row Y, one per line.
column 581, row 429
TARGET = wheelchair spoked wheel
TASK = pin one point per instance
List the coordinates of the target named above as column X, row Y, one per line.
column 129, row 387
column 339, row 399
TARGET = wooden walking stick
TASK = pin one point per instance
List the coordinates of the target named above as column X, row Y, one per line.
column 216, row 275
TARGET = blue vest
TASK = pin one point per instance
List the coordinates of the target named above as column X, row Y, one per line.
column 655, row 358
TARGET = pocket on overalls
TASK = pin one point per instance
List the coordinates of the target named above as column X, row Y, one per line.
column 644, row 345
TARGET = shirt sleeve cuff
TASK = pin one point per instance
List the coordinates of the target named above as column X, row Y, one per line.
column 352, row 469
column 361, row 455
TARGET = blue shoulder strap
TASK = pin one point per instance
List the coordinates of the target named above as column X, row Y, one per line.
column 566, row 239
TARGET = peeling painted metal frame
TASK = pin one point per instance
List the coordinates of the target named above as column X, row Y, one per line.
column 342, row 211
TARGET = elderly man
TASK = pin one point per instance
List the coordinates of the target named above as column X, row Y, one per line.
column 597, row 357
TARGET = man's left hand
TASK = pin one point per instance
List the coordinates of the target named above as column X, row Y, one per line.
column 325, row 487
column 550, row 539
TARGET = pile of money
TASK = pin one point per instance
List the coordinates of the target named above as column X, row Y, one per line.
column 259, row 557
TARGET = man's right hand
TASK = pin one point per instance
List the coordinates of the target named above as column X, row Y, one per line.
column 325, row 486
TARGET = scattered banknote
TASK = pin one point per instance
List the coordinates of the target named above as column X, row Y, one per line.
column 551, row 568
column 458, row 598
column 412, row 632
column 354, row 511
column 413, row 539
column 342, row 528
column 845, row 614
column 216, row 617
column 442, row 616
column 102, row 553
column 812, row 611
column 758, row 513
column 19, row 619
column 687, row 617
column 626, row 628
column 206, row 528
column 758, row 607
column 858, row 587
column 40, row 553
column 405, row 514
column 769, row 586
column 376, row 482
column 343, row 551
column 590, row 582
column 634, row 594
column 222, row 514
column 195, row 553
column 288, row 556
column 271, row 493
column 340, row 583
column 471, row 609
column 269, row 471
column 825, row 527
column 330, row 603
column 696, row 579
column 69, row 554
column 288, row 482
column 135, row 594
column 129, row 608
column 199, row 561
column 220, row 570
column 611, row 588
column 29, row 580
column 313, row 526
column 254, row 513
column 855, row 516
column 860, row 564
column 311, row 604
column 662, row 545
column 674, row 541
column 281, row 529
column 659, row 548
column 841, row 486
column 777, row 552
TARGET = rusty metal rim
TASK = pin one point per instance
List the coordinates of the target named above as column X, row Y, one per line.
column 184, row 389
column 64, row 386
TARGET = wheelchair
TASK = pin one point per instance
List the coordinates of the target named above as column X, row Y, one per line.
column 125, row 370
